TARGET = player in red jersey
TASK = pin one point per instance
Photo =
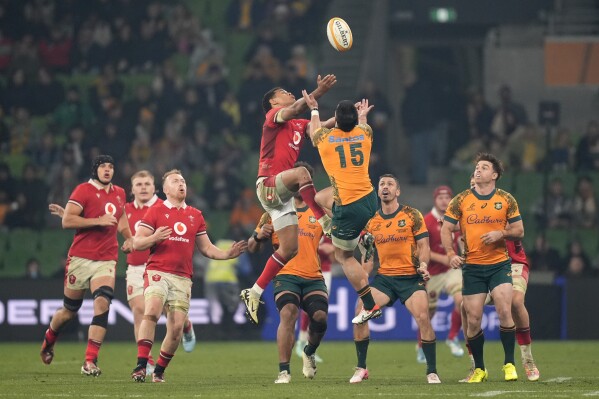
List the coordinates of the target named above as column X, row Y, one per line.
column 171, row 231
column 97, row 210
column 282, row 138
column 443, row 278
column 144, row 197
column 520, row 272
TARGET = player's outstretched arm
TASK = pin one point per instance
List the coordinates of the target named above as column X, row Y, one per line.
column 363, row 110
column 211, row 251
column 300, row 106
column 315, row 123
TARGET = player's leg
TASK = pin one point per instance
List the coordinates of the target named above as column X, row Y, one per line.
column 465, row 332
column 155, row 296
column 316, row 305
column 434, row 287
column 72, row 301
column 383, row 296
column 288, row 305
column 473, row 306
column 102, row 289
column 174, row 331
column 324, row 198
column 299, row 180
column 522, row 321
column 417, row 305
column 502, row 297
column 302, row 334
column 453, row 287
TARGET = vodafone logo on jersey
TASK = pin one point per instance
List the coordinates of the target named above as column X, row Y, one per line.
column 110, row 208
column 180, row 228
column 297, row 137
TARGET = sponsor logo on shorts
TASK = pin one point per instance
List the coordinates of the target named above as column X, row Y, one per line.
column 72, row 279
column 421, row 283
column 498, row 205
column 277, row 283
column 509, row 274
column 129, row 289
column 156, row 277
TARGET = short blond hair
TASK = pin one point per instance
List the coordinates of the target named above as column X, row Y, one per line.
column 170, row 172
column 142, row 173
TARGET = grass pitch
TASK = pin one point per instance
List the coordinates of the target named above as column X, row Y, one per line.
column 248, row 369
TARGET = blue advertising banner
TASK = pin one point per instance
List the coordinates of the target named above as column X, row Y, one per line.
column 395, row 324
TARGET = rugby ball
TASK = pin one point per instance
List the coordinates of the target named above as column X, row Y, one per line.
column 339, row 34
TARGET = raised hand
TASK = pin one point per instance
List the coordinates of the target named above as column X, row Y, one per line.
column 325, row 84
column 310, row 100
column 237, row 249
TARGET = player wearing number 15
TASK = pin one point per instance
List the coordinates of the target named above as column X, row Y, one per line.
column 345, row 153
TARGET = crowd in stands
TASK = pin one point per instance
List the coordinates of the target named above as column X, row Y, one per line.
column 103, row 76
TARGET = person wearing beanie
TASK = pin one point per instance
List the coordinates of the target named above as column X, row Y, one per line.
column 96, row 209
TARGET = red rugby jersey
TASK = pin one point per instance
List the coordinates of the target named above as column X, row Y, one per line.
column 281, row 143
column 135, row 212
column 98, row 242
column 433, row 224
column 174, row 255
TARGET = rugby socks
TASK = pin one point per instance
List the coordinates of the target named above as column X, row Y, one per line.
column 284, row 367
column 430, row 353
column 144, row 346
column 366, row 297
column 187, row 326
column 477, row 343
column 508, row 340
column 470, row 355
column 524, row 341
column 93, row 347
column 308, row 192
column 163, row 361
column 51, row 336
column 456, row 324
column 274, row 264
column 310, row 348
column 362, row 351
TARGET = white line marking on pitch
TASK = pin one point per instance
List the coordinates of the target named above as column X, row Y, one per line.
column 592, row 393
column 558, row 379
column 496, row 393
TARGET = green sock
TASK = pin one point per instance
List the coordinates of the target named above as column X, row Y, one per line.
column 284, row 367
column 508, row 339
column 366, row 297
column 362, row 351
column 476, row 345
column 430, row 353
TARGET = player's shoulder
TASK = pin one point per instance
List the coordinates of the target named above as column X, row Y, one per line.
column 366, row 128
column 504, row 194
column 410, row 210
column 320, row 135
column 461, row 196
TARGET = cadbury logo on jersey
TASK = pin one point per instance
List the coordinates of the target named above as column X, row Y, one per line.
column 474, row 219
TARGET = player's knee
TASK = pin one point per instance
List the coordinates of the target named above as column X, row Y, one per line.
column 105, row 292
column 72, row 305
column 318, row 327
column 303, row 174
column 100, row 320
column 151, row 318
column 286, row 299
column 316, row 307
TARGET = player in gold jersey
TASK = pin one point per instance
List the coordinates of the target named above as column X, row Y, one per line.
column 401, row 240
column 299, row 284
column 483, row 214
column 345, row 153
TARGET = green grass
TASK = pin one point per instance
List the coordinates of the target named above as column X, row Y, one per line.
column 248, row 369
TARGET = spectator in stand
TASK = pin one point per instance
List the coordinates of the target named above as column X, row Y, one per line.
column 508, row 116
column 107, row 86
column 221, row 186
column 525, row 149
column 183, row 27
column 73, row 111
column 62, row 186
column 48, row 93
column 584, row 204
column 30, row 201
column 25, row 56
column 587, row 152
column 123, row 49
column 378, row 118
column 55, row 52
column 46, row 156
column 244, row 15
column 279, row 48
column 543, row 257
column 21, row 131
column 4, row 133
column 577, row 262
column 244, row 215
column 562, row 152
column 86, row 57
column 558, row 212
column 33, row 269
column 479, row 114
column 19, row 93
column 6, row 49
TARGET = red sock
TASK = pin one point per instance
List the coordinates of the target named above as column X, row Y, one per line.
column 165, row 358
column 419, row 338
column 456, row 324
column 144, row 346
column 523, row 336
column 187, row 326
column 304, row 321
column 51, row 336
column 93, row 347
column 308, row 192
column 151, row 360
column 274, row 264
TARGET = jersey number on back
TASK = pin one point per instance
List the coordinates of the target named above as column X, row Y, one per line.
column 355, row 152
